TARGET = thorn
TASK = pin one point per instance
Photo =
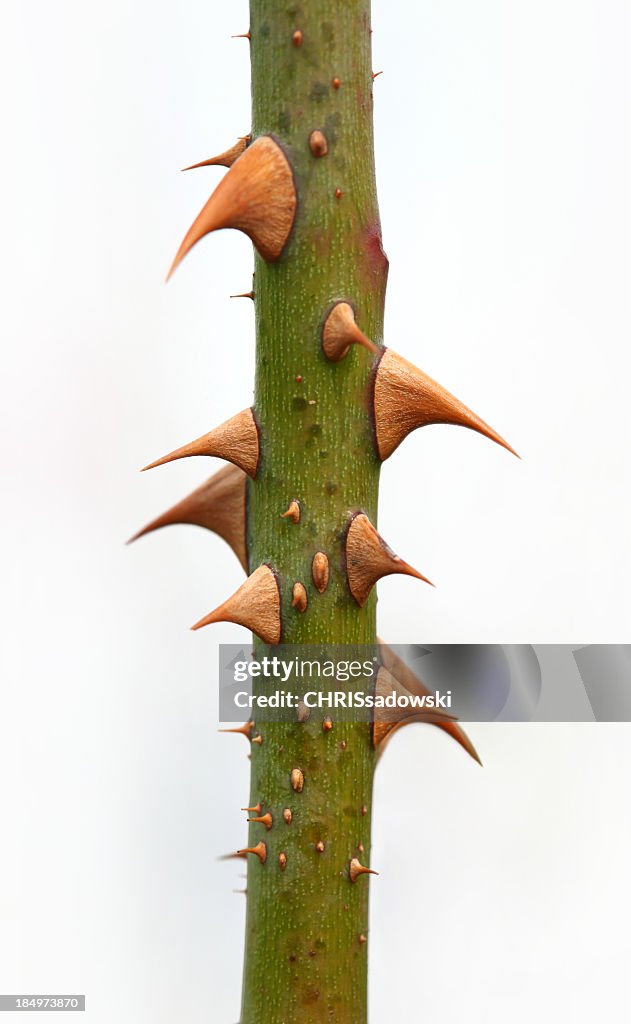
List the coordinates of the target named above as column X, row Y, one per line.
column 318, row 143
column 297, row 780
column 320, row 571
column 338, row 193
column 412, row 684
column 297, row 38
column 376, row 74
column 368, row 559
column 243, row 730
column 266, row 820
column 287, row 816
column 293, row 512
column 327, row 724
column 355, row 869
column 387, row 719
column 223, row 159
column 340, row 331
column 239, row 855
column 282, row 861
column 260, row 851
column 405, row 398
column 362, row 939
column 255, row 605
column 254, row 810
column 218, row 505
column 320, row 847
column 243, row 35
column 236, row 440
column 243, row 295
column 299, row 598
column 336, row 82
column 240, row 892
column 256, row 196
column 258, row 740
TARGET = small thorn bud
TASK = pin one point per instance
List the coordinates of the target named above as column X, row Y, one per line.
column 242, row 730
column 297, row 780
column 258, row 740
column 320, row 847
column 343, row 745
column 293, row 512
column 320, row 571
column 360, row 847
column 299, row 598
column 327, row 724
column 255, row 605
column 297, row 38
column 338, row 193
column 362, row 939
column 355, row 869
column 287, row 816
column 368, row 559
column 302, row 712
column 254, row 810
column 318, row 143
column 260, row 851
column 364, row 810
column 236, row 440
column 340, row 331
column 265, row 819
column 223, row 159
column 282, row 861
column 336, row 82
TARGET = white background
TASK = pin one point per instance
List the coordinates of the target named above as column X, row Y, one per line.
column 502, row 151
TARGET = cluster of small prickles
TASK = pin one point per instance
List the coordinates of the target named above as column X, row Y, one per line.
column 297, row 781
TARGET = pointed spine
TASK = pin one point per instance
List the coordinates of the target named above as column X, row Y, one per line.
column 256, row 196
column 255, row 605
column 223, row 159
column 404, row 398
column 368, row 559
column 340, row 331
column 260, row 851
column 263, row 819
column 218, row 505
column 236, row 441
column 355, row 869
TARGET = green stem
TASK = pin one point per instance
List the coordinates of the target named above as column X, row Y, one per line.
column 305, row 959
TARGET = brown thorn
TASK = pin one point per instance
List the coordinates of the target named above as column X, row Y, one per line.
column 368, row 559
column 243, row 35
column 256, row 196
column 260, row 851
column 327, row 724
column 258, row 740
column 297, row 780
column 243, row 295
column 255, row 605
column 336, row 82
column 255, row 810
column 362, row 939
column 282, row 861
column 318, row 143
column 320, row 571
column 293, row 511
column 320, row 847
column 299, row 598
column 355, row 869
column 338, row 193
column 218, row 505
column 297, row 38
column 340, row 331
column 239, row 855
column 265, row 819
column 405, row 398
column 236, row 440
column 412, row 684
column 223, row 159
column 376, row 74
column 287, row 816
column 387, row 719
column 243, row 730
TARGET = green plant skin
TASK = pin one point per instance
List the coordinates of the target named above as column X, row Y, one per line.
column 304, row 961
